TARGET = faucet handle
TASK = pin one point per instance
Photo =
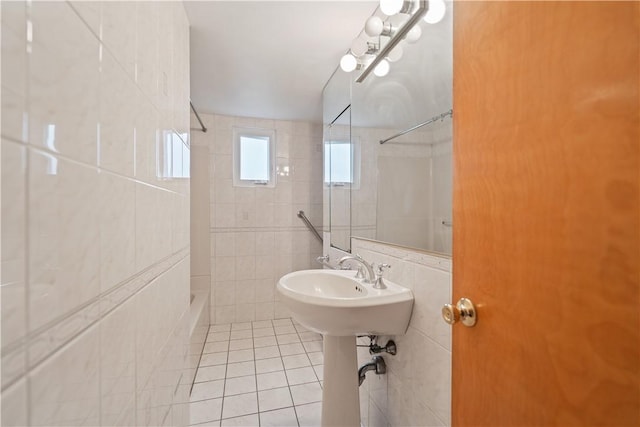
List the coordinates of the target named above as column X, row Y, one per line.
column 381, row 268
column 360, row 273
column 379, row 283
column 322, row 259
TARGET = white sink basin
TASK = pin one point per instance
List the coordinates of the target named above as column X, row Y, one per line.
column 333, row 302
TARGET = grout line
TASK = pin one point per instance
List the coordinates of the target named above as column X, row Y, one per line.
column 199, row 361
column 224, row 384
column 284, row 371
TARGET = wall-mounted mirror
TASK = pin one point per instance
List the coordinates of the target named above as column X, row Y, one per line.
column 403, row 193
column 338, row 160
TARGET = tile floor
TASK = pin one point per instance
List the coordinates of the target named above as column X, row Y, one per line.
column 264, row 373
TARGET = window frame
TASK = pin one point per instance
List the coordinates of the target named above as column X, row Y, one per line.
column 354, row 144
column 238, row 133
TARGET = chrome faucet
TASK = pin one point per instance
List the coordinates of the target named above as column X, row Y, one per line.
column 379, row 281
column 370, row 277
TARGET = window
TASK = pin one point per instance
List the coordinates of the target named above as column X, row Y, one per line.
column 174, row 159
column 341, row 163
column 254, row 157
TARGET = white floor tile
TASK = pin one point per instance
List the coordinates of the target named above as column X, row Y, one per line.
column 282, row 330
column 279, row 418
column 207, row 390
column 309, row 415
column 241, row 334
column 240, row 369
column 288, row 339
column 269, row 365
column 276, row 398
column 245, row 421
column 306, row 393
column 310, row 336
column 253, row 356
column 319, row 369
column 267, row 352
column 260, row 324
column 300, row 328
column 265, row 332
column 282, row 322
column 289, row 349
column 301, row 375
column 210, row 373
column 240, row 344
column 220, row 328
column 242, row 404
column 240, row 326
column 218, row 336
column 316, row 358
column 312, row 346
column 211, row 359
column 236, row 356
column 216, row 347
column 271, row 380
column 240, row 385
column 296, row 361
column 264, row 341
column 205, row 411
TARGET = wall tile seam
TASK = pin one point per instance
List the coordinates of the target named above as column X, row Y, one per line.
column 114, row 56
column 406, row 254
column 431, row 339
column 11, row 139
column 46, row 334
column 99, row 169
column 165, row 348
column 62, row 156
column 256, row 229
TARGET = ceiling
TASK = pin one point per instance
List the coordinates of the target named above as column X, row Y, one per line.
column 269, row 59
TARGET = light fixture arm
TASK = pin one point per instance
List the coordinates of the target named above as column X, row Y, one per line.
column 423, row 6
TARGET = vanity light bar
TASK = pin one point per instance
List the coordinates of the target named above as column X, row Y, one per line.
column 423, row 7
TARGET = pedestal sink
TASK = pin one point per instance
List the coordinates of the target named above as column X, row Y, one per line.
column 340, row 307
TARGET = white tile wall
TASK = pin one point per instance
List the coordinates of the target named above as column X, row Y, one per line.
column 372, row 210
column 95, row 247
column 255, row 235
column 417, row 388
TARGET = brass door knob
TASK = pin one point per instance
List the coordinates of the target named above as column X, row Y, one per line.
column 464, row 311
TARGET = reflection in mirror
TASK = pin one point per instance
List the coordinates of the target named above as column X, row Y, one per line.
column 341, row 173
column 404, row 195
column 337, row 142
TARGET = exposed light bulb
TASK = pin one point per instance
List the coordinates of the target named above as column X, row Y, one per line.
column 395, row 54
column 374, row 26
column 414, row 34
column 391, row 7
column 348, row 63
column 436, row 11
column 382, row 69
column 359, row 47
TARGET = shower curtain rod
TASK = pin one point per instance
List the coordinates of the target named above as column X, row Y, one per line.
column 431, row 120
column 204, row 129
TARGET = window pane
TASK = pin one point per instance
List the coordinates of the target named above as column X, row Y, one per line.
column 254, row 158
column 338, row 164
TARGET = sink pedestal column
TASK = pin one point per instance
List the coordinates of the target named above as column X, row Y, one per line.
column 340, row 398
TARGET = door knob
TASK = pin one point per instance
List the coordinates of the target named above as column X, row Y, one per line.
column 463, row 310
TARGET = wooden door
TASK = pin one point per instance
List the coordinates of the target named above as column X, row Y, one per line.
column 546, row 192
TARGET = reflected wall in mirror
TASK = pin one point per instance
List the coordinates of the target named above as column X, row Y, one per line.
column 404, row 196
column 340, row 170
